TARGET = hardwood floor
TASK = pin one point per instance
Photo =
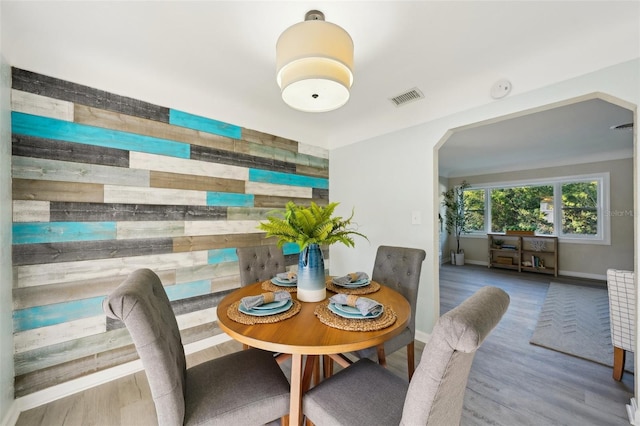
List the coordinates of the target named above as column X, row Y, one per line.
column 511, row 383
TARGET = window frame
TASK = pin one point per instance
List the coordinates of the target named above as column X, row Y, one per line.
column 603, row 235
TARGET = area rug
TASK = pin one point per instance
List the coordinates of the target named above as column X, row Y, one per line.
column 574, row 320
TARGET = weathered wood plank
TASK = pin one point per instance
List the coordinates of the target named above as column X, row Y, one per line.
column 258, row 188
column 199, row 228
column 41, row 190
column 51, row 128
column 28, row 383
column 218, row 156
column 30, row 103
column 248, row 213
column 40, row 295
column 196, row 122
column 46, row 336
column 140, row 229
column 313, row 150
column 43, row 316
column 209, row 271
column 61, row 211
column 320, row 194
column 181, row 291
column 266, row 139
column 278, row 178
column 31, row 211
column 230, row 282
column 29, row 146
column 199, row 183
column 198, row 317
column 60, row 89
column 206, row 242
column 313, row 171
column 118, row 194
column 31, row 275
column 229, row 199
column 113, row 120
column 278, row 202
column 44, row 169
column 54, row 232
column 57, row 252
column 199, row 332
column 277, row 154
column 162, row 163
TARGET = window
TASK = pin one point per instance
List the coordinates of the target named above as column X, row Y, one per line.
column 568, row 207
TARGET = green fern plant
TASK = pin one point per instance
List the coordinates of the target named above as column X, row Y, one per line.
column 310, row 225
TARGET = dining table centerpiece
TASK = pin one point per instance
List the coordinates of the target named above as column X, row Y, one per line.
column 310, row 227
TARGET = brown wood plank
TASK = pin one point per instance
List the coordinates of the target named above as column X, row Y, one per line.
column 199, row 183
column 207, row 242
column 312, row 171
column 27, row 189
column 219, row 156
column 274, row 202
column 266, row 139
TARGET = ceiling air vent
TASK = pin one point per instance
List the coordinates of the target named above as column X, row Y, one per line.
column 408, row 96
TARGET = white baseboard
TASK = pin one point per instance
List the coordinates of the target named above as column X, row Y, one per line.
column 53, row 393
column 423, row 337
column 632, row 412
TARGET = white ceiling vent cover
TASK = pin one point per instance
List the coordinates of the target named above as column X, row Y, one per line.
column 409, row 96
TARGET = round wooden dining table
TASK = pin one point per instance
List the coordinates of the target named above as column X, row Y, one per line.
column 304, row 334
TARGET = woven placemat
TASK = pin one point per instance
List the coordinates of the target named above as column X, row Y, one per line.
column 269, row 286
column 327, row 317
column 367, row 289
column 237, row 316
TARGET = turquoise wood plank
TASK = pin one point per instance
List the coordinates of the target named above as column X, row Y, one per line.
column 230, row 199
column 222, row 255
column 183, row 119
column 266, row 176
column 50, row 128
column 290, row 248
column 57, row 232
column 187, row 290
column 57, row 313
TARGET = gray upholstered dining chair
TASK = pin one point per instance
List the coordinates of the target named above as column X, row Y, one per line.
column 621, row 289
column 246, row 387
column 398, row 268
column 366, row 393
column 259, row 263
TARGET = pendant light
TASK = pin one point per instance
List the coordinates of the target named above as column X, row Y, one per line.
column 314, row 61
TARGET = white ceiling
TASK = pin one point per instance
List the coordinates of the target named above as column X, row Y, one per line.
column 217, row 59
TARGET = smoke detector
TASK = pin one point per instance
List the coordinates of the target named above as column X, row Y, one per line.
column 500, row 89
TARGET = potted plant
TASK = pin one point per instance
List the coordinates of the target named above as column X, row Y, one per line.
column 310, row 227
column 498, row 243
column 456, row 219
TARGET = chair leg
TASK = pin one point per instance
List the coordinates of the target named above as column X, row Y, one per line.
column 411, row 364
column 619, row 356
column 327, row 366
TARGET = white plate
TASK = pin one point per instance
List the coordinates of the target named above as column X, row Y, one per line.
column 334, row 308
column 263, row 313
column 271, row 305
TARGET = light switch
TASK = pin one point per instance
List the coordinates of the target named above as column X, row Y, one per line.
column 416, row 218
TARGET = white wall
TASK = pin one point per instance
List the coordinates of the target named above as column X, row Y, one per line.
column 6, row 283
column 387, row 177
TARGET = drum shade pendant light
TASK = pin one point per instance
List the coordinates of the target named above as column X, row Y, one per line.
column 314, row 61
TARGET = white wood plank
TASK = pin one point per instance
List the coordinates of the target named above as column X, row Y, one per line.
column 31, row 103
column 31, row 275
column 44, row 336
column 141, row 160
column 156, row 229
column 66, row 171
column 196, row 318
column 164, row 196
column 259, row 188
column 221, row 227
column 228, row 282
column 31, row 211
column 316, row 151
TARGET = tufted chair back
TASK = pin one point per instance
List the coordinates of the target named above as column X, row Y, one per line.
column 142, row 304
column 259, row 263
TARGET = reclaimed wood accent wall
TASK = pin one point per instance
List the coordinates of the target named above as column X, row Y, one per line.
column 103, row 185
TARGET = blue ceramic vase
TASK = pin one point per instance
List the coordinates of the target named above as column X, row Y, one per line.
column 311, row 279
